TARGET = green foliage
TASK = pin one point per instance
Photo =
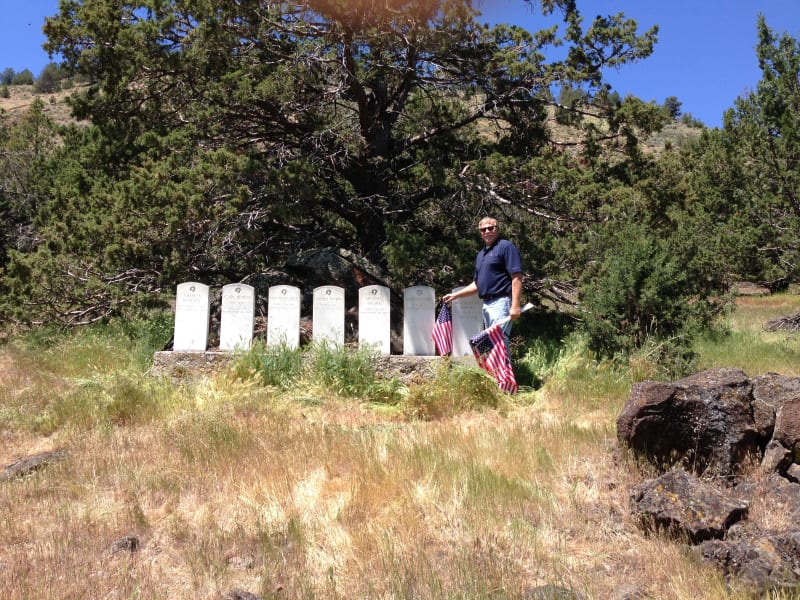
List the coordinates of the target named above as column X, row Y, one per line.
column 351, row 374
column 688, row 120
column 49, row 79
column 25, row 145
column 638, row 295
column 343, row 372
column 741, row 340
column 536, row 344
column 24, row 77
column 101, row 247
column 280, row 366
column 751, row 169
column 7, row 76
column 87, row 377
column 454, row 389
column 673, row 107
column 569, row 99
column 123, row 344
column 375, row 115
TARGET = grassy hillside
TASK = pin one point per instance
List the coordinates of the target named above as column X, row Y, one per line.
column 22, row 96
column 330, row 484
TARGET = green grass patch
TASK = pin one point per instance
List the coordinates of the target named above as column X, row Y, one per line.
column 455, row 388
column 351, row 374
column 753, row 352
column 741, row 341
column 279, row 367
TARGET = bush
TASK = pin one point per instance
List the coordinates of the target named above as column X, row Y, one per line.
column 645, row 291
column 342, row 371
column 49, row 79
column 351, row 373
column 7, row 76
column 280, row 367
column 24, row 77
column 536, row 342
column 454, row 389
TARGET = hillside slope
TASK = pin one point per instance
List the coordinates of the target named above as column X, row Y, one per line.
column 674, row 135
column 21, row 97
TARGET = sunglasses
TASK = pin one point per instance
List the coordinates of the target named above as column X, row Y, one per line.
column 489, row 228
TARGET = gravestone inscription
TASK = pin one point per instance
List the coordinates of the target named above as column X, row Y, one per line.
column 283, row 316
column 419, row 315
column 328, row 315
column 192, row 313
column 467, row 322
column 374, row 327
column 237, row 316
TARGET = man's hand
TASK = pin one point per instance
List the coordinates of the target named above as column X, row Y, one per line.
column 467, row 290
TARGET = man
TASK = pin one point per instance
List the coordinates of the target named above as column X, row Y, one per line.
column 498, row 278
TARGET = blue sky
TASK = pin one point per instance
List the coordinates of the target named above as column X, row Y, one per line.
column 705, row 55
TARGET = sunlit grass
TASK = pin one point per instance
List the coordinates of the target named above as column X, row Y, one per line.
column 331, row 482
column 745, row 345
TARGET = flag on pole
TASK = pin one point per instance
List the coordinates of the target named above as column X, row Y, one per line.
column 443, row 331
column 489, row 348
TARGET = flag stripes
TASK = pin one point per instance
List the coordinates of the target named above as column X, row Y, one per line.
column 489, row 348
column 443, row 331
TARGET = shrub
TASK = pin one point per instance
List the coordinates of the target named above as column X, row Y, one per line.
column 454, row 389
column 49, row 79
column 646, row 290
column 279, row 367
column 351, row 373
column 24, row 77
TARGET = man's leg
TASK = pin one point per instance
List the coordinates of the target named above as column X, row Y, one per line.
column 497, row 310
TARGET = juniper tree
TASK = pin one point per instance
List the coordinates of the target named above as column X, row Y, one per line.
column 226, row 135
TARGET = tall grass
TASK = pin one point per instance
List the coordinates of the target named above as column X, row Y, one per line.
column 743, row 343
column 304, row 474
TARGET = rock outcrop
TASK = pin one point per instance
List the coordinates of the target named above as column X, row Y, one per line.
column 724, row 443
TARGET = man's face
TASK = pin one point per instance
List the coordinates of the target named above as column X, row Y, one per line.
column 489, row 231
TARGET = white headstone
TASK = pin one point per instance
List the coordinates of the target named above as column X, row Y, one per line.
column 328, row 315
column 192, row 312
column 467, row 315
column 283, row 316
column 374, row 327
column 236, row 319
column 419, row 315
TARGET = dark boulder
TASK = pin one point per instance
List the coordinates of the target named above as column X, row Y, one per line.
column 722, row 425
column 703, row 423
column 765, row 562
column 685, row 507
column 787, row 427
column 770, row 392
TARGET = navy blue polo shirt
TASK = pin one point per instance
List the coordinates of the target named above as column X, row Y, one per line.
column 494, row 266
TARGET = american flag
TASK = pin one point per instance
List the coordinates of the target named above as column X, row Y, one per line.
column 489, row 348
column 443, row 331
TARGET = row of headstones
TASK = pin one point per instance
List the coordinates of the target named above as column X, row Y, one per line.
column 237, row 318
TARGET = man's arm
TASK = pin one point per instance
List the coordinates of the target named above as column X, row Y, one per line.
column 467, row 290
column 516, row 294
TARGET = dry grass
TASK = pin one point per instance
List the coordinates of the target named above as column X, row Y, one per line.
column 22, row 96
column 228, row 484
